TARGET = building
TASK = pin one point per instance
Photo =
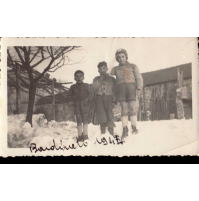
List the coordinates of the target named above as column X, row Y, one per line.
column 64, row 110
column 158, row 98
column 162, row 85
column 18, row 99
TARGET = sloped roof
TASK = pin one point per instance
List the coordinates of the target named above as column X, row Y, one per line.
column 60, row 98
column 43, row 81
column 166, row 75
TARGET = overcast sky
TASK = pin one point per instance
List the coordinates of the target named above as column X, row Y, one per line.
column 148, row 54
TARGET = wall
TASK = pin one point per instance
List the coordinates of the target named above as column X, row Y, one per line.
column 11, row 93
column 172, row 86
column 63, row 112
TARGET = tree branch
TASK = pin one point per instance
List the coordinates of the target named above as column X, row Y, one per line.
column 19, row 54
column 35, row 55
column 33, row 66
column 44, row 71
column 9, row 56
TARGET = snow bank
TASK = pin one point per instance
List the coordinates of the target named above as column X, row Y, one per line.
column 154, row 136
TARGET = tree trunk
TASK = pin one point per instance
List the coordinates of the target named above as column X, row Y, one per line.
column 18, row 91
column 32, row 92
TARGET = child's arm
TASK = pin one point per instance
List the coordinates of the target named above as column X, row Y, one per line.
column 96, row 83
column 90, row 93
column 113, row 71
column 114, row 90
column 138, row 77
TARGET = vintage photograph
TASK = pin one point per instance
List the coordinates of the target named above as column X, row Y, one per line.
column 101, row 96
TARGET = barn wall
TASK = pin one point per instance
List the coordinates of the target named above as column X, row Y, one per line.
column 187, row 89
column 63, row 112
column 24, row 100
column 171, row 86
column 11, row 93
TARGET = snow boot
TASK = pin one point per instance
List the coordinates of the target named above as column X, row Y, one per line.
column 80, row 138
column 86, row 137
column 124, row 133
column 134, row 130
column 111, row 131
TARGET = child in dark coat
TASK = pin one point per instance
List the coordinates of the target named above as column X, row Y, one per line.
column 104, row 87
column 129, row 85
column 81, row 94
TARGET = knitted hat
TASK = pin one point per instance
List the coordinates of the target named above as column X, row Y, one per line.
column 121, row 51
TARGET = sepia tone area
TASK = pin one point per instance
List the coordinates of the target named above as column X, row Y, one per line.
column 166, row 94
column 151, row 112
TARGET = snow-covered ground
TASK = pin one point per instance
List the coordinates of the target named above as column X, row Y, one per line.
column 155, row 137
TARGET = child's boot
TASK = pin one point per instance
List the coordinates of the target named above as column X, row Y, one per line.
column 85, row 132
column 133, row 124
column 134, row 130
column 111, row 131
column 125, row 132
column 80, row 137
column 103, row 128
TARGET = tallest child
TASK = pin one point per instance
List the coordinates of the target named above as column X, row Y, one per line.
column 129, row 81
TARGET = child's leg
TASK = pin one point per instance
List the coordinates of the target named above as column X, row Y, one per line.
column 79, row 124
column 85, row 123
column 133, row 113
column 124, row 107
column 108, row 108
column 103, row 128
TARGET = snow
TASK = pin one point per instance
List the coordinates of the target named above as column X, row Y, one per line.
column 154, row 136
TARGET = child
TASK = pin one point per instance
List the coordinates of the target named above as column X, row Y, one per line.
column 104, row 87
column 129, row 80
column 81, row 95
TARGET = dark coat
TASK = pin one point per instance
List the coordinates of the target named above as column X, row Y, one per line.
column 80, row 91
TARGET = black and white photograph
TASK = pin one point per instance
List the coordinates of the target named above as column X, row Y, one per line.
column 100, row 96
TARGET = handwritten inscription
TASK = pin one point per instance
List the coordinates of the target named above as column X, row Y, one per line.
column 102, row 141
column 33, row 147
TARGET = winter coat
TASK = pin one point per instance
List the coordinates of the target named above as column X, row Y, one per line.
column 80, row 91
column 105, row 85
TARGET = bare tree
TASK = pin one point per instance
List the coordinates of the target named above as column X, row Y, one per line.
column 28, row 58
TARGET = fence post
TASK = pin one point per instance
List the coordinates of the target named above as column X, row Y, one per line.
column 144, row 104
column 53, row 99
column 179, row 103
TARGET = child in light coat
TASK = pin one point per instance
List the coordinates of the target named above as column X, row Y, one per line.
column 129, row 85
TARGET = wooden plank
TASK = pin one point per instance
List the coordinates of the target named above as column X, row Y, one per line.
column 144, row 103
column 53, row 101
column 179, row 103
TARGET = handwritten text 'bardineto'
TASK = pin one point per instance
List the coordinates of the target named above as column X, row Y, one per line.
column 102, row 141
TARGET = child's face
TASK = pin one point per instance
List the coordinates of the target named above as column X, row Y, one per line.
column 102, row 70
column 121, row 58
column 79, row 77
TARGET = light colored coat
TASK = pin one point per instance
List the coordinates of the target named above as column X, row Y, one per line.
column 105, row 85
column 128, row 74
